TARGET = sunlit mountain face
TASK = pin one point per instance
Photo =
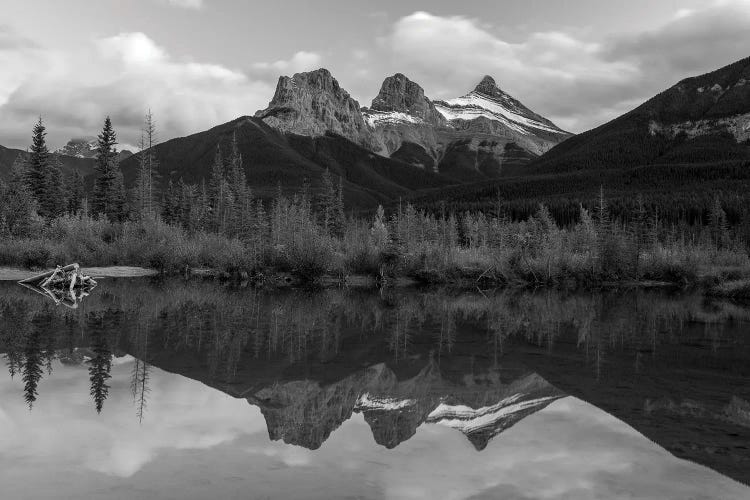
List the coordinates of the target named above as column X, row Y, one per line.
column 412, row 394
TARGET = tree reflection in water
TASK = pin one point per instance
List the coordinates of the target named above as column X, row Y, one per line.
column 309, row 358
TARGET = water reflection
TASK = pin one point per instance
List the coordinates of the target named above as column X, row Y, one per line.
column 673, row 366
column 201, row 443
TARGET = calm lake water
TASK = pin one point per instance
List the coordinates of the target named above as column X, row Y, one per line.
column 193, row 390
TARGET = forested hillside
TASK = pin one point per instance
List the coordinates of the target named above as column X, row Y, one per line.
column 270, row 159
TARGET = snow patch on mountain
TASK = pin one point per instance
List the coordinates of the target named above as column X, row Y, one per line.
column 475, row 105
column 369, row 402
column 379, row 118
column 79, row 147
column 468, row 420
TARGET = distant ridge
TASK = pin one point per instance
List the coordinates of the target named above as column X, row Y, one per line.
column 700, row 119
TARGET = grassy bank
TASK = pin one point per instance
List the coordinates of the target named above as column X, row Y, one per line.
column 470, row 249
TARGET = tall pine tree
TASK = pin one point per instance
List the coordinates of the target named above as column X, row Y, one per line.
column 238, row 184
column 109, row 192
column 55, row 201
column 37, row 165
column 18, row 205
column 75, row 192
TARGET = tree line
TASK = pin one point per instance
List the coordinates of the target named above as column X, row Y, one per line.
column 224, row 204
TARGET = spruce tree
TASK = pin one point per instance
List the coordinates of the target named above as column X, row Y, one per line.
column 18, row 205
column 37, row 165
column 339, row 218
column 216, row 186
column 718, row 224
column 109, row 191
column 54, row 201
column 169, row 205
column 238, row 184
column 203, row 207
column 327, row 202
column 32, row 371
column 100, row 366
column 75, row 192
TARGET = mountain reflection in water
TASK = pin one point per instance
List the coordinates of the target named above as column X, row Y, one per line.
column 418, row 369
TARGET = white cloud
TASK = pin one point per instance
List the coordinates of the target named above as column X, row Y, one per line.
column 186, row 4
column 575, row 81
column 132, row 48
column 300, row 61
column 547, row 70
column 122, row 76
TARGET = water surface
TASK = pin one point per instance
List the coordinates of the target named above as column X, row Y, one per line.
column 168, row 389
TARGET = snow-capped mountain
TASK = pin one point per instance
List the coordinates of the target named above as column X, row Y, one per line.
column 468, row 138
column 305, row 413
column 79, row 147
column 85, row 147
column 487, row 108
column 480, row 425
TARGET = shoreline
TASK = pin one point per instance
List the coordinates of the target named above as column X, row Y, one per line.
column 273, row 279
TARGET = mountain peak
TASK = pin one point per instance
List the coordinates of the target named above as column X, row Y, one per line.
column 487, row 86
column 312, row 104
column 399, row 94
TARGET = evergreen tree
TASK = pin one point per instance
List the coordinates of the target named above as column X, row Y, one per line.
column 109, row 191
column 32, row 366
column 638, row 234
column 218, row 194
column 238, row 185
column 100, row 366
column 327, row 203
column 203, row 207
column 260, row 230
column 54, row 202
column 37, row 165
column 185, row 205
column 718, row 224
column 18, row 205
column 339, row 218
column 170, row 204
column 75, row 192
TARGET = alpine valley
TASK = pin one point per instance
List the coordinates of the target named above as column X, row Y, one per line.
column 469, row 152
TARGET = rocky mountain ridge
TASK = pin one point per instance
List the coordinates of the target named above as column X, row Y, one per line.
column 474, row 136
column 314, row 104
column 703, row 119
column 488, row 109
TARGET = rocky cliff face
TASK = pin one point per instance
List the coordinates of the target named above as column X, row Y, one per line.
column 398, row 94
column 469, row 138
column 401, row 113
column 314, row 104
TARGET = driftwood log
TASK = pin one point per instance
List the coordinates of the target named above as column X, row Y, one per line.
column 69, row 277
column 64, row 285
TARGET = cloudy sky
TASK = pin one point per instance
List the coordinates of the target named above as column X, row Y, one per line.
column 199, row 63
